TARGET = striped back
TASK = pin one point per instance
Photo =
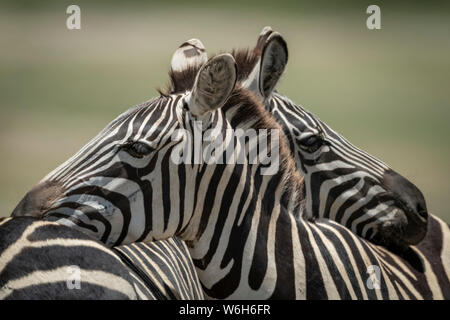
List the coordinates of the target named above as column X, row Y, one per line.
column 45, row 260
column 170, row 264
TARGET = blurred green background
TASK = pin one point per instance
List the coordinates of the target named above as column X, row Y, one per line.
column 387, row 91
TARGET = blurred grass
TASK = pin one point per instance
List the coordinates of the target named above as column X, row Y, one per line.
column 387, row 91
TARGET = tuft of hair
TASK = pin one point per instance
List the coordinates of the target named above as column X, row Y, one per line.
column 246, row 59
column 182, row 81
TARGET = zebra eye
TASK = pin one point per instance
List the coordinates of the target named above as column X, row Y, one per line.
column 138, row 149
column 312, row 143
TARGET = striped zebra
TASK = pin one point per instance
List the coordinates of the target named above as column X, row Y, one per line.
column 169, row 266
column 342, row 182
column 324, row 157
column 248, row 233
column 44, row 260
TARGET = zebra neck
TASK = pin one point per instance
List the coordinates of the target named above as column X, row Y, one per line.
column 243, row 218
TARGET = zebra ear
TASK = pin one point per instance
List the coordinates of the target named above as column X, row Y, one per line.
column 274, row 58
column 262, row 39
column 213, row 85
column 190, row 53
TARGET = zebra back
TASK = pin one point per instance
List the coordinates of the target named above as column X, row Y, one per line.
column 170, row 264
column 44, row 260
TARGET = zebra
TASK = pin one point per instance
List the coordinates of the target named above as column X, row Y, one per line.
column 167, row 262
column 44, row 260
column 361, row 192
column 192, row 53
column 247, row 233
column 317, row 149
column 342, row 182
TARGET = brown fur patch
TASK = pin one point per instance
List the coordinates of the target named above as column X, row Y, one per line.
column 39, row 199
column 246, row 60
column 251, row 110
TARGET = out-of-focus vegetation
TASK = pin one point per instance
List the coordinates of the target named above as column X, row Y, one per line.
column 386, row 90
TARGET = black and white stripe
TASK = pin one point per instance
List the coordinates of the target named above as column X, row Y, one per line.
column 249, row 234
column 170, row 266
column 37, row 259
column 342, row 182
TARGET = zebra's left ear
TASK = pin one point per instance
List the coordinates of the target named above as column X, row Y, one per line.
column 213, row 85
column 273, row 60
column 190, row 53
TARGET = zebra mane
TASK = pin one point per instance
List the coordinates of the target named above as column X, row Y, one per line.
column 246, row 60
column 252, row 111
column 180, row 81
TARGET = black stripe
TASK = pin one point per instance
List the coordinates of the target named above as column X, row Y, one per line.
column 146, row 279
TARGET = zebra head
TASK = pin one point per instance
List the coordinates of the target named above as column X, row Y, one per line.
column 124, row 186
column 342, row 182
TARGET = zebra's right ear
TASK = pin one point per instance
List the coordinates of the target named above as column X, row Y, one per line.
column 190, row 53
column 274, row 58
column 213, row 85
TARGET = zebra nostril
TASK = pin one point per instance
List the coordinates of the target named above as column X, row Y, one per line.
column 408, row 194
column 421, row 209
column 423, row 213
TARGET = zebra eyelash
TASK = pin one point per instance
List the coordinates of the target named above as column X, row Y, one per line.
column 314, row 142
column 137, row 149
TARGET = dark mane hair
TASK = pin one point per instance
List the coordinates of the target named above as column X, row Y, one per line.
column 252, row 111
column 181, row 81
column 246, row 60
